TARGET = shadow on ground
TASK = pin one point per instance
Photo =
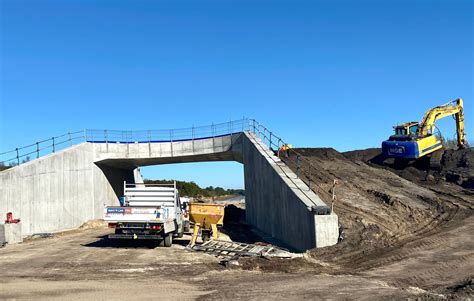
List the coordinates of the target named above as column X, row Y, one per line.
column 104, row 242
column 236, row 228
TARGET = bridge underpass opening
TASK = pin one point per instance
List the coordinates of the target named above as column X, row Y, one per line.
column 228, row 175
column 220, row 182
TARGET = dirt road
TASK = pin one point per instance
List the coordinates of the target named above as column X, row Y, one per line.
column 82, row 265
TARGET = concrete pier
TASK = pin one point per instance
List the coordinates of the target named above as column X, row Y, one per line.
column 65, row 189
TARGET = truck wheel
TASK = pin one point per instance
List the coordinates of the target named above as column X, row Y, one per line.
column 180, row 234
column 168, row 241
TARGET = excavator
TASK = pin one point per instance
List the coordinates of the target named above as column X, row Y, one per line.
column 414, row 140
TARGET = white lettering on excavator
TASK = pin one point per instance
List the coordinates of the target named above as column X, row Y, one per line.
column 396, row 150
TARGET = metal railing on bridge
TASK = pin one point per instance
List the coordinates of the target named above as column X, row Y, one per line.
column 171, row 135
column 44, row 147
column 38, row 149
column 304, row 169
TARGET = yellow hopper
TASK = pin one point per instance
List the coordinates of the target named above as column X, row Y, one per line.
column 205, row 216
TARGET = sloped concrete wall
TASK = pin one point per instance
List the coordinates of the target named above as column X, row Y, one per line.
column 49, row 194
column 280, row 204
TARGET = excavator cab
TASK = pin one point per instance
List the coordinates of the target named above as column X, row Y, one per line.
column 405, row 132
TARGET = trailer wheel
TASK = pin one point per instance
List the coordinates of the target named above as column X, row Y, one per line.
column 168, row 241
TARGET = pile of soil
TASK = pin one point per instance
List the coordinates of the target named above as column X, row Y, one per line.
column 94, row 224
column 381, row 207
column 464, row 289
column 457, row 166
column 236, row 227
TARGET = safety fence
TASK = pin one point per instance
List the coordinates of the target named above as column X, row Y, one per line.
column 304, row 168
column 171, row 135
column 35, row 150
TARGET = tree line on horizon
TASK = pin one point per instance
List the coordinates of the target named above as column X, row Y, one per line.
column 191, row 189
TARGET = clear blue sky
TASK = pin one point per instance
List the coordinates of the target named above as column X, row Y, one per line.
column 319, row 73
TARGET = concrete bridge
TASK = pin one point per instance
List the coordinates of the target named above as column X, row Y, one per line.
column 64, row 189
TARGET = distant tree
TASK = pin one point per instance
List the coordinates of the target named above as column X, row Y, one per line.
column 191, row 189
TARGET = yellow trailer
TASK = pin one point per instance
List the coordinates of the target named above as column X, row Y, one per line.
column 206, row 217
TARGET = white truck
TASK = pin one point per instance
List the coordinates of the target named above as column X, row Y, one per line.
column 147, row 211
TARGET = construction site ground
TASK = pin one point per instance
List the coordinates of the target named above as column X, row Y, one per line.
column 408, row 234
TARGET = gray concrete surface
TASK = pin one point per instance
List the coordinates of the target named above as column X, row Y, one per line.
column 10, row 233
column 65, row 189
column 280, row 204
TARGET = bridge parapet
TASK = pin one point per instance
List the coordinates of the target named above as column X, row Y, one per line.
column 23, row 154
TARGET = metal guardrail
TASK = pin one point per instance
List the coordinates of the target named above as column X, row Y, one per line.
column 304, row 169
column 26, row 153
column 23, row 154
column 171, row 135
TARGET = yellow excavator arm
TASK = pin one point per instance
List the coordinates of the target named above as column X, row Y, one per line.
column 454, row 107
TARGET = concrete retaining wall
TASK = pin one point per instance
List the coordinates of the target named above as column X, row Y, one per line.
column 50, row 193
column 278, row 203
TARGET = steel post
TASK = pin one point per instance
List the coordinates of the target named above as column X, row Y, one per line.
column 309, row 176
column 298, row 166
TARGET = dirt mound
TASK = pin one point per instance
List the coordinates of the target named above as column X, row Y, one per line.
column 365, row 155
column 463, row 289
column 390, row 214
column 94, row 224
column 235, row 226
column 457, row 166
column 282, row 265
column 233, row 214
column 321, row 153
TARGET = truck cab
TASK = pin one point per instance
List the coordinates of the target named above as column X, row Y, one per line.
column 147, row 211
